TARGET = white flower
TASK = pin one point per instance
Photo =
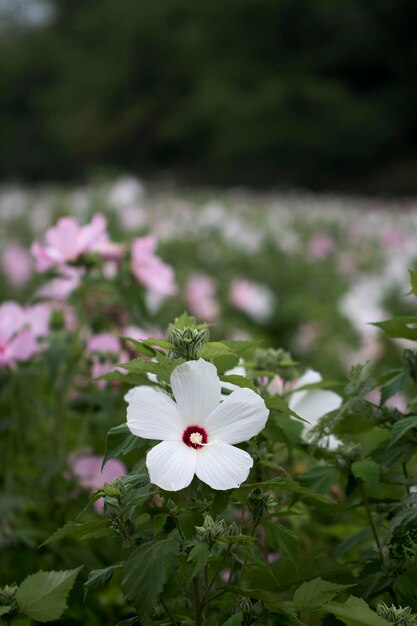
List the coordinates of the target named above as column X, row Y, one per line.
column 198, row 430
column 312, row 404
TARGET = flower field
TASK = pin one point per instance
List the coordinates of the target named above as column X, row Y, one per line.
column 200, row 421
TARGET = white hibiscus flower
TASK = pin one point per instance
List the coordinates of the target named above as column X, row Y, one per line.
column 313, row 404
column 197, row 430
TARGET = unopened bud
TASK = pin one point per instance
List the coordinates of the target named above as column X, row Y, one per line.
column 258, row 503
column 399, row 616
column 210, row 531
column 8, row 594
column 187, row 341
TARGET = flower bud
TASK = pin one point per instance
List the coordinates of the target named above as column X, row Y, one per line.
column 8, row 595
column 278, row 361
column 258, row 504
column 400, row 617
column 210, row 531
column 187, row 341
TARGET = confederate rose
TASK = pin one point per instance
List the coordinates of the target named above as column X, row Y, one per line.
column 17, row 339
column 254, row 299
column 149, row 269
column 88, row 469
column 67, row 241
column 197, row 430
column 200, row 292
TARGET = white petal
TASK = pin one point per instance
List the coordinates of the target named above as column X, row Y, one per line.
column 153, row 415
column 239, row 417
column 171, row 465
column 308, row 378
column 222, row 466
column 314, row 404
column 196, row 388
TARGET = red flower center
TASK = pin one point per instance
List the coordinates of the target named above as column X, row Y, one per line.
column 194, row 437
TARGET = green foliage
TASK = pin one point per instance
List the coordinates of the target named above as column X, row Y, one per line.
column 355, row 612
column 43, row 596
column 311, row 595
column 146, row 571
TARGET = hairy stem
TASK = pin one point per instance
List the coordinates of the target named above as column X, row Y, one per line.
column 168, row 611
column 371, row 521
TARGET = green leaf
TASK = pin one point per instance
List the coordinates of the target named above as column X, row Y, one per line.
column 219, row 354
column 313, row 594
column 43, row 596
column 285, row 483
column 4, row 609
column 393, row 385
column 93, row 529
column 355, row 612
column 198, row 557
column 400, row 327
column 243, row 348
column 139, row 346
column 413, row 281
column 278, row 404
column 100, row 577
column 367, row 471
column 401, row 427
column 282, row 538
column 120, row 441
column 146, row 572
column 235, row 620
column 320, row 478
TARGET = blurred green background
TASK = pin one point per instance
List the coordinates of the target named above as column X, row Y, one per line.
column 277, row 93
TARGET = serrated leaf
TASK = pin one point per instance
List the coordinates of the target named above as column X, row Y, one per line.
column 100, row 577
column 198, row 557
column 93, row 529
column 400, row 327
column 219, row 354
column 285, row 483
column 312, row 594
column 120, row 442
column 235, row 620
column 355, row 612
column 282, row 538
column 367, row 471
column 146, row 572
column 320, row 478
column 401, row 427
column 43, row 596
column 278, row 404
column 239, row 381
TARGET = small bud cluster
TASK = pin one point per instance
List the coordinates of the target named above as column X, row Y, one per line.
column 210, row 531
column 277, row 361
column 252, row 610
column 8, row 595
column 346, row 455
column 399, row 617
column 187, row 341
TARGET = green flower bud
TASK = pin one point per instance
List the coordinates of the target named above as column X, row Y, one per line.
column 8, row 594
column 398, row 616
column 187, row 341
column 258, row 504
column 278, row 361
column 210, row 531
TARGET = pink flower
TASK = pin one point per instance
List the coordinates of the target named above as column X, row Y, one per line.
column 149, row 269
column 67, row 240
column 87, row 468
column 60, row 288
column 17, row 264
column 134, row 332
column 200, row 296
column 252, row 298
column 17, row 342
column 394, row 238
column 397, row 401
column 106, row 351
column 320, row 246
column 105, row 343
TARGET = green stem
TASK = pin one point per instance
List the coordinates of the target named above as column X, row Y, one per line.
column 206, row 587
column 371, row 521
column 405, row 472
column 197, row 602
column 226, row 554
column 246, row 557
column 168, row 612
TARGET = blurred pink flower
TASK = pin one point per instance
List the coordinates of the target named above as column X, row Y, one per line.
column 252, row 298
column 347, row 264
column 149, row 269
column 105, row 343
column 393, row 238
column 67, row 240
column 320, row 246
column 17, row 341
column 397, row 401
column 87, row 468
column 17, row 264
column 60, row 288
column 105, row 350
column 200, row 292
column 140, row 333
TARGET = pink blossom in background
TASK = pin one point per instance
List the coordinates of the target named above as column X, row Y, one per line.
column 67, row 240
column 17, row 264
column 200, row 295
column 87, row 468
column 140, row 333
column 105, row 343
column 149, row 269
column 307, row 335
column 347, row 264
column 394, row 238
column 61, row 288
column 17, row 342
column 252, row 298
column 397, row 401
column 320, row 246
